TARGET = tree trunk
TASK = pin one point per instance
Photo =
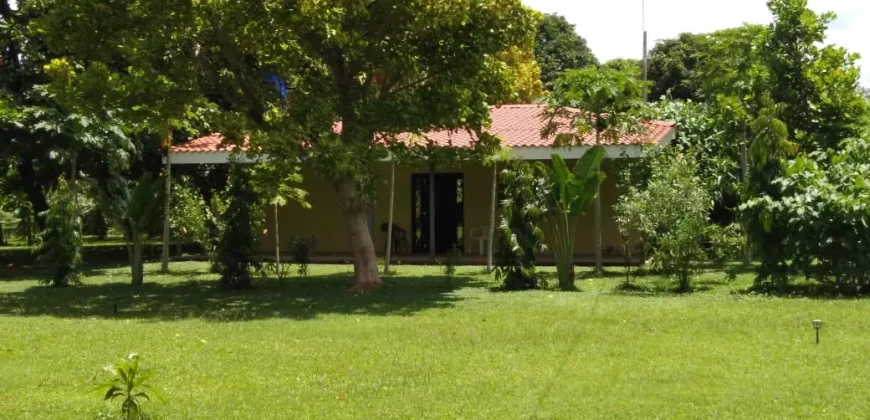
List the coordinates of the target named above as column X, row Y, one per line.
column 365, row 262
column 599, row 265
column 136, row 260
column 432, row 211
column 389, row 251
column 492, row 207
column 164, row 260
column 744, row 163
column 277, row 242
column 2, row 235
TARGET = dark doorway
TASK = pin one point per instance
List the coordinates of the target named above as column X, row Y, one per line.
column 449, row 212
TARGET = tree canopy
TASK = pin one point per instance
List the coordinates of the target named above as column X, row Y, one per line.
column 558, row 48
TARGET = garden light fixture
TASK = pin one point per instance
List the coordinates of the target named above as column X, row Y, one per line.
column 817, row 325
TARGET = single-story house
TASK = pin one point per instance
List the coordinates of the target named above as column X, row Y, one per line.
column 463, row 191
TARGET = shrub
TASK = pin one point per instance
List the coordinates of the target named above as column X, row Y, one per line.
column 188, row 213
column 128, row 381
column 454, row 258
column 824, row 201
column 136, row 209
column 239, row 246
column 524, row 185
column 671, row 215
column 301, row 250
column 61, row 241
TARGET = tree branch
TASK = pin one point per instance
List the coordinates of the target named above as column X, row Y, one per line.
column 233, row 56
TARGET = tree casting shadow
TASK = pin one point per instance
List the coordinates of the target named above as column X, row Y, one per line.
column 294, row 298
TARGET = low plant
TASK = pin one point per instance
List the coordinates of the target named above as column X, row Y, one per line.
column 454, row 258
column 301, row 250
column 520, row 238
column 128, row 381
column 61, row 242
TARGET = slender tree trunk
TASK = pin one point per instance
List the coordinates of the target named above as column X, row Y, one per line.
column 389, row 251
column 75, row 190
column 136, row 262
column 492, row 206
column 744, row 163
column 365, row 262
column 277, row 241
column 164, row 261
column 2, row 235
column 432, row 211
column 599, row 265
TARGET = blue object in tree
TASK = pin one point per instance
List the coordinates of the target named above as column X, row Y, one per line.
column 280, row 85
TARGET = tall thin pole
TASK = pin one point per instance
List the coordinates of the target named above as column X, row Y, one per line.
column 164, row 260
column 645, row 60
column 389, row 241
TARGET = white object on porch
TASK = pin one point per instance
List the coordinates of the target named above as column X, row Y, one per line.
column 481, row 235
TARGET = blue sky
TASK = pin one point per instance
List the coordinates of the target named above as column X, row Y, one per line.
column 613, row 28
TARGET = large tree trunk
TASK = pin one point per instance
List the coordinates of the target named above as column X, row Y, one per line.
column 599, row 265
column 164, row 260
column 365, row 262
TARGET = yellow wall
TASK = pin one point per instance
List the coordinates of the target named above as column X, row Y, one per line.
column 325, row 222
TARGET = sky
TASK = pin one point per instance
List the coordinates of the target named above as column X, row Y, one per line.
column 613, row 28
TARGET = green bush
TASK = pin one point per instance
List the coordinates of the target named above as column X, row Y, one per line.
column 454, row 258
column 188, row 214
column 824, row 200
column 524, row 185
column 301, row 250
column 61, row 242
column 671, row 214
column 239, row 247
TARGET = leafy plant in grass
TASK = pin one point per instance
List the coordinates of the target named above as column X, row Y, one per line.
column 454, row 258
column 301, row 251
column 61, row 242
column 671, row 214
column 524, row 186
column 571, row 195
column 239, row 246
column 137, row 210
column 128, row 381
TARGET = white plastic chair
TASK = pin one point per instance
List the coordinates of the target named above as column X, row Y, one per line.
column 479, row 235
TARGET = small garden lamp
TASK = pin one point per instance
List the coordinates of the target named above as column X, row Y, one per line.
column 817, row 325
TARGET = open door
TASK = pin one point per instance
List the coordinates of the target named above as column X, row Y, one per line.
column 449, row 212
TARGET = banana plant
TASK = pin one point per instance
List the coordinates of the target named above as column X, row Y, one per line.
column 572, row 194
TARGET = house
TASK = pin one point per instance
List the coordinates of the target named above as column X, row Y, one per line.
column 462, row 193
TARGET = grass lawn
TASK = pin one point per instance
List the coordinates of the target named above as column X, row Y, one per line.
column 422, row 348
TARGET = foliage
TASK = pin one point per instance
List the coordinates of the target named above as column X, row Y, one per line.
column 608, row 101
column 671, row 216
column 136, row 209
column 217, row 206
column 239, row 246
column 525, row 76
column 128, row 381
column 671, row 67
column 571, row 195
column 61, row 242
column 520, row 237
column 824, row 199
column 454, row 259
column 301, row 250
column 559, row 48
column 630, row 66
column 188, row 213
column 283, row 77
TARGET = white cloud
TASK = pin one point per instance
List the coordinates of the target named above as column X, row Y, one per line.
column 613, row 28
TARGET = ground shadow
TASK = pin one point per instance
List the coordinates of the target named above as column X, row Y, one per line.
column 294, row 298
column 809, row 290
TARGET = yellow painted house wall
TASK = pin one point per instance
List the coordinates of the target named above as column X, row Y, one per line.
column 324, row 222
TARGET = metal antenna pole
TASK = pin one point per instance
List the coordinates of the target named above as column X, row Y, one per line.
column 645, row 61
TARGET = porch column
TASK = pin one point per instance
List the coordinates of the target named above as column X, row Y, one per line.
column 164, row 267
column 432, row 210
column 492, row 210
column 389, row 238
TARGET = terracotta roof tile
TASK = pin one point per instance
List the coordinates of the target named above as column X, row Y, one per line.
column 517, row 125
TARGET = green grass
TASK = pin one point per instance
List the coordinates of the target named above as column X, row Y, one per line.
column 422, row 348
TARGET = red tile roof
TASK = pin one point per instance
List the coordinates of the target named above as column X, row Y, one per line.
column 517, row 125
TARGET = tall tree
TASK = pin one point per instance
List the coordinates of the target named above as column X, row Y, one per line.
column 382, row 66
column 598, row 101
column 630, row 66
column 671, row 66
column 559, row 48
